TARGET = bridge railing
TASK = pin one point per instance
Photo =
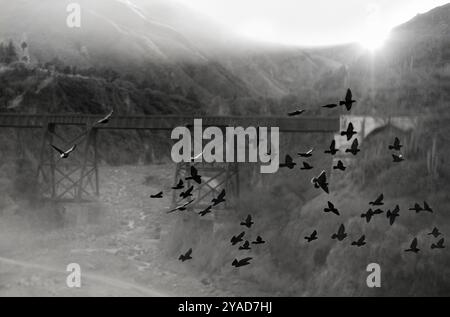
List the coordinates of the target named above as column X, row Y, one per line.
column 168, row 122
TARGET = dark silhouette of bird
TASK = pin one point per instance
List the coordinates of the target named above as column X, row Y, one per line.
column 106, row 119
column 259, row 240
column 219, row 199
column 296, row 113
column 348, row 102
column 396, row 146
column 330, row 106
column 158, row 195
column 332, row 150
column 181, row 207
column 350, row 132
column 288, row 162
column 245, row 246
column 397, row 158
column 306, row 154
column 392, row 215
column 248, row 222
column 180, row 185
column 435, row 232
column 368, row 215
column 332, row 209
column 195, row 176
column 378, row 201
column 186, row 256
column 242, row 262
column 417, row 208
column 354, row 148
column 306, row 166
column 187, row 193
column 205, row 211
column 321, row 182
column 438, row 245
column 413, row 246
column 426, row 207
column 340, row 166
column 340, row 235
column 236, row 239
column 64, row 154
column 312, row 237
column 360, row 242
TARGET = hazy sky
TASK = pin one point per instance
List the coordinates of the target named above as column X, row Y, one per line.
column 313, row 22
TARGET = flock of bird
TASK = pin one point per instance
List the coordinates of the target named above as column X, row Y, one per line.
column 320, row 181
column 186, row 195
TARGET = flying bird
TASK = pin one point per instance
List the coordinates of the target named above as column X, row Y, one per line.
column 330, row 106
column 205, row 211
column 64, row 154
column 158, row 195
column 248, row 222
column 306, row 154
column 288, row 162
column 435, row 232
column 360, row 242
column 180, row 185
column 181, row 207
column 306, row 166
column 348, row 102
column 242, row 262
column 417, row 208
column 397, row 158
column 332, row 209
column 332, row 150
column 368, row 215
column 236, row 239
column 340, row 235
column 426, row 207
column 321, row 182
column 312, row 237
column 439, row 245
column 219, row 199
column 259, row 240
column 296, row 113
column 194, row 175
column 413, row 246
column 196, row 156
column 378, row 201
column 350, row 132
column 186, row 256
column 396, row 146
column 187, row 193
column 245, row 246
column 354, row 148
column 392, row 215
column 106, row 119
column 340, row 166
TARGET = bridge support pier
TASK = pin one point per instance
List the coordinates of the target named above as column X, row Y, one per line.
column 74, row 179
column 215, row 177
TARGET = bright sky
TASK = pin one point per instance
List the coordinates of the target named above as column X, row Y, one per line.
column 313, row 22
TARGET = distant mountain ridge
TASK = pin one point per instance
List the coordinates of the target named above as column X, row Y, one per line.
column 171, row 48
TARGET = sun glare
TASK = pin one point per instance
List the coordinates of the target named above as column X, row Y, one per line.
column 374, row 40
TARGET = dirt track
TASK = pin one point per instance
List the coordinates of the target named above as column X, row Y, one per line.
column 120, row 256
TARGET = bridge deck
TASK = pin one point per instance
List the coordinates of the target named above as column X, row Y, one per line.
column 168, row 122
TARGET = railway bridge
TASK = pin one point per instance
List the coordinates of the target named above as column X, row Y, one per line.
column 76, row 179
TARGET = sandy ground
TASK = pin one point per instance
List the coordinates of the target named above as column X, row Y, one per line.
column 120, row 256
